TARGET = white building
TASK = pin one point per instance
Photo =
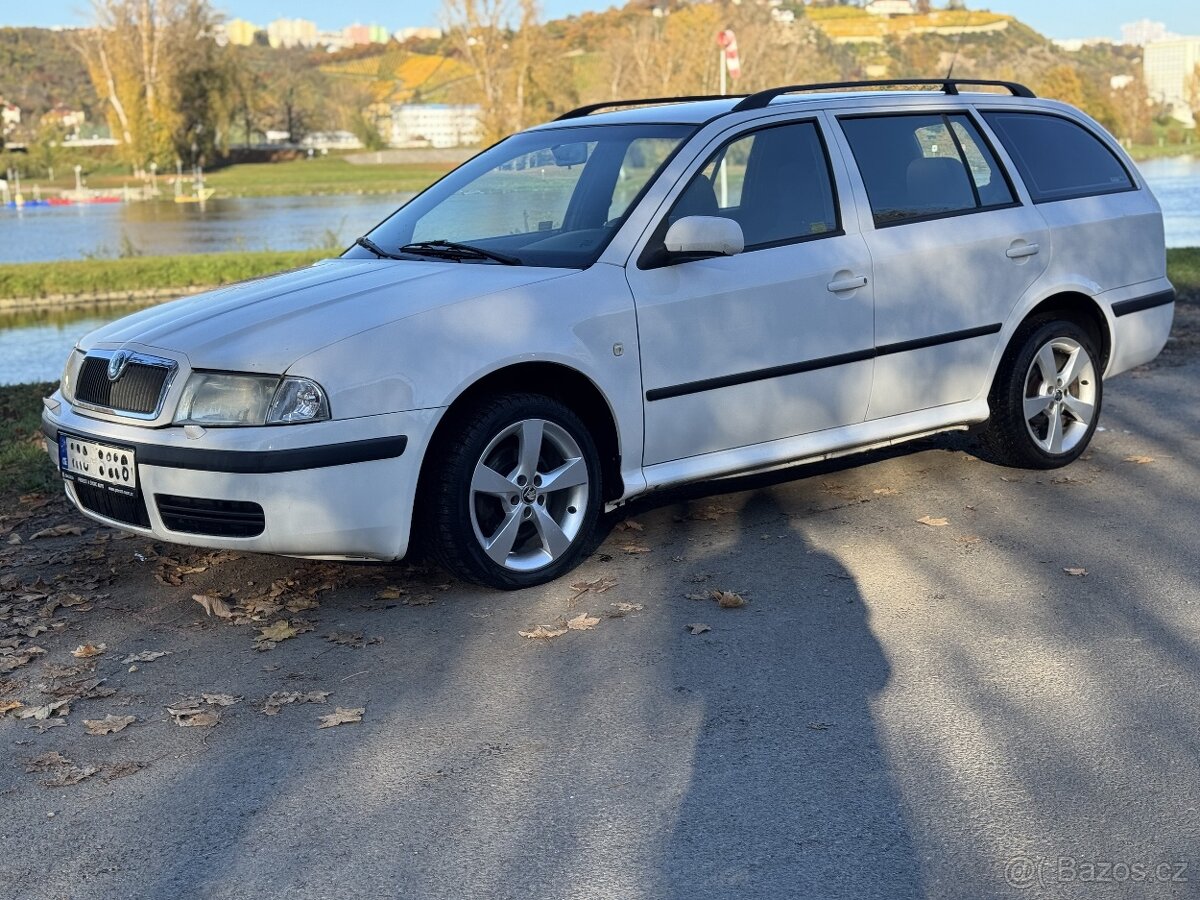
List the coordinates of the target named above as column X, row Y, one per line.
column 1143, row 32
column 10, row 116
column 332, row 140
column 1168, row 68
column 292, row 33
column 437, row 125
column 420, row 34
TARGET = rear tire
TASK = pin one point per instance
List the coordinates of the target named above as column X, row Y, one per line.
column 514, row 492
column 1045, row 401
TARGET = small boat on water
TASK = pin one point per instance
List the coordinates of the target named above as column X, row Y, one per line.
column 199, row 194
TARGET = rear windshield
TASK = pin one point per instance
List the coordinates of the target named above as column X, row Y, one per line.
column 1057, row 158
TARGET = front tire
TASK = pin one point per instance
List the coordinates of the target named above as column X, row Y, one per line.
column 1046, row 399
column 514, row 499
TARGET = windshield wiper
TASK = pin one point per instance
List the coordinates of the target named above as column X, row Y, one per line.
column 453, row 250
column 375, row 248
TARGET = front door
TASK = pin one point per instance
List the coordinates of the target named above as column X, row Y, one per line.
column 775, row 341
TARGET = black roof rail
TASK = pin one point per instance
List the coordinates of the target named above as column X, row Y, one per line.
column 582, row 111
column 948, row 85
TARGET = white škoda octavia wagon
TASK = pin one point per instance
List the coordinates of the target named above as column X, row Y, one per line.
column 610, row 304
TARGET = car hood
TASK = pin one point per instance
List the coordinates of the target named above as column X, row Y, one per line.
column 266, row 324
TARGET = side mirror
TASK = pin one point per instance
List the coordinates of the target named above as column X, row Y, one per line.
column 699, row 237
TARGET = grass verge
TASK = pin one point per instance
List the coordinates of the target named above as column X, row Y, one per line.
column 1183, row 268
column 323, row 175
column 24, row 464
column 105, row 276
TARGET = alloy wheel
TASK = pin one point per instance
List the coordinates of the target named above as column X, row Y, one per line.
column 1060, row 395
column 529, row 495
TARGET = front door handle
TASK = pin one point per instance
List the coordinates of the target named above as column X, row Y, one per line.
column 847, row 284
column 1020, row 251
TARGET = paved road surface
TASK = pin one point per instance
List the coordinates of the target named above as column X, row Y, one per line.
column 900, row 710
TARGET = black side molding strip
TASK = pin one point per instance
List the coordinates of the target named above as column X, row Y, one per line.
column 1137, row 304
column 257, row 462
column 824, row 362
column 935, row 340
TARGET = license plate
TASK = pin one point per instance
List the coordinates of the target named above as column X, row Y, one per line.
column 101, row 465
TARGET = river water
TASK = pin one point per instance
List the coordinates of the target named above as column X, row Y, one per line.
column 33, row 348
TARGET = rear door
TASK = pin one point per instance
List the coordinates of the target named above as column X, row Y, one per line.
column 775, row 341
column 953, row 249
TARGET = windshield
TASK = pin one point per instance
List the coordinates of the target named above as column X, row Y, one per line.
column 542, row 198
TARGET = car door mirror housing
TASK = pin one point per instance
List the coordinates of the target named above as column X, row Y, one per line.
column 700, row 237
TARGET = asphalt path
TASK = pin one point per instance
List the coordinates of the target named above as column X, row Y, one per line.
column 899, row 709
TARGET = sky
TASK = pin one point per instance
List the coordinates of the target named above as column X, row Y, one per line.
column 1055, row 18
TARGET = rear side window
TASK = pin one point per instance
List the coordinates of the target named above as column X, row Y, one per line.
column 1057, row 158
column 919, row 167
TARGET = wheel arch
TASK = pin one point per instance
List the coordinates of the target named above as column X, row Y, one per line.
column 1078, row 307
column 563, row 383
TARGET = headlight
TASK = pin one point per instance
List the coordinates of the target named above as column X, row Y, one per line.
column 70, row 375
column 216, row 399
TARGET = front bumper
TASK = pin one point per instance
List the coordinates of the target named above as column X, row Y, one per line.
column 343, row 488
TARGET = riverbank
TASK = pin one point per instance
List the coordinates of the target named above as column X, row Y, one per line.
column 320, row 176
column 91, row 282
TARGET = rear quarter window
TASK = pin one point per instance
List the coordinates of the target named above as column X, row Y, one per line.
column 1057, row 158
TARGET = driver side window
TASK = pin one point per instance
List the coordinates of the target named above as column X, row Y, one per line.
column 774, row 182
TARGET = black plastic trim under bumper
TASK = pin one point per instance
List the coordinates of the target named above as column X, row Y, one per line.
column 254, row 462
column 1137, row 304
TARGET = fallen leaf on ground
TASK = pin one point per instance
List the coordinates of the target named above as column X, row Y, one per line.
column 195, row 718
column 820, row 726
column 7, row 706
column 933, row 522
column 709, row 513
column 278, row 700
column 145, row 656
column 85, row 651
column 110, row 724
column 420, row 600
column 71, row 775
column 220, row 699
column 697, row 596
column 59, row 708
column 122, row 769
column 353, row 639
column 391, row 593
column 635, row 548
column 1140, row 460
column 630, row 525
column 46, row 724
column 969, row 539
column 1075, row 570
column 885, row 492
column 697, row 628
column 46, row 762
column 57, row 531
column 542, row 633
column 281, row 630
column 342, row 716
column 214, row 606
column 629, row 607
column 599, row 586
column 728, row 599
column 583, row 622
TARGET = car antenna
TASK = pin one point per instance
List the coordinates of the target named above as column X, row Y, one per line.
column 957, row 44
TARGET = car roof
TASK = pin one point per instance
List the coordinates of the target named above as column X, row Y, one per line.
column 700, row 111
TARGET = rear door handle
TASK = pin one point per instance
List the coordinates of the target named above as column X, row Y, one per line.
column 847, row 284
column 1021, row 251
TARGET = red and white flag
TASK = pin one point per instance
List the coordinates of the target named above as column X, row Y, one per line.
column 728, row 42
